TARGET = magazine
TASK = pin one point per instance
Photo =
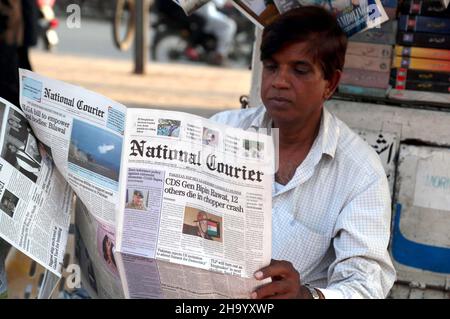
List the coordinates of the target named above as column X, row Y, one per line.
column 162, row 199
column 353, row 15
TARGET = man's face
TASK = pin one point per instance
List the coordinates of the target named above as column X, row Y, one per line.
column 137, row 200
column 293, row 87
column 203, row 223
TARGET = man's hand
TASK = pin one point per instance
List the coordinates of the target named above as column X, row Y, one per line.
column 285, row 282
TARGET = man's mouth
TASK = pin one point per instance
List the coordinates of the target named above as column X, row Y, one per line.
column 279, row 101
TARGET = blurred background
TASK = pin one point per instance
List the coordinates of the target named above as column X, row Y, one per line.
column 178, row 47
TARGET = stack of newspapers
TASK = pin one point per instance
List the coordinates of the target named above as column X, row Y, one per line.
column 352, row 17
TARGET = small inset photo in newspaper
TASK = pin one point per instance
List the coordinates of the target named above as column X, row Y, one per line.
column 169, row 128
column 253, row 149
column 20, row 147
column 136, row 199
column 210, row 137
column 8, row 203
column 198, row 222
column 106, row 247
column 95, row 150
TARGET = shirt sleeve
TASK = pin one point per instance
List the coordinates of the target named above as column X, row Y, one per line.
column 363, row 267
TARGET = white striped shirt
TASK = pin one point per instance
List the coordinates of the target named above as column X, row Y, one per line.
column 332, row 220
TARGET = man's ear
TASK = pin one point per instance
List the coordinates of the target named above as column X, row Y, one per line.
column 332, row 84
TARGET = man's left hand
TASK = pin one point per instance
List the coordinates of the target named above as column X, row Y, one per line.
column 285, row 282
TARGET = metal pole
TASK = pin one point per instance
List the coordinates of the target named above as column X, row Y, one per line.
column 141, row 41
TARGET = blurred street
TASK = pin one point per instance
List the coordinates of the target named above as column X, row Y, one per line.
column 88, row 58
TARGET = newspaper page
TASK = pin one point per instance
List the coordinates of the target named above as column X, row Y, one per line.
column 189, row 6
column 35, row 200
column 197, row 194
column 94, row 253
column 84, row 131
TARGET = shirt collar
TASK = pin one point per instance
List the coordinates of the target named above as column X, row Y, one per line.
column 326, row 140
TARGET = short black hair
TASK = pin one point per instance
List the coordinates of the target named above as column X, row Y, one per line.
column 138, row 193
column 312, row 24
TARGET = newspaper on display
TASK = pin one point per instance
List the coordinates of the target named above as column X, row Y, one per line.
column 168, row 204
column 353, row 15
column 35, row 200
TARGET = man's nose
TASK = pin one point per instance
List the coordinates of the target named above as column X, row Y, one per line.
column 280, row 80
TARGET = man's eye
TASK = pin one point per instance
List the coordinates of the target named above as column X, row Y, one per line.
column 301, row 70
column 270, row 67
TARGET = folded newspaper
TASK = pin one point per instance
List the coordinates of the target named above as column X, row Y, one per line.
column 168, row 204
column 353, row 15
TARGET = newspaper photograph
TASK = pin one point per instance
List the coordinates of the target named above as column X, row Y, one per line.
column 35, row 199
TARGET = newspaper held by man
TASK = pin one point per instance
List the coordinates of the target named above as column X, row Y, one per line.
column 197, row 194
column 159, row 189
column 35, row 200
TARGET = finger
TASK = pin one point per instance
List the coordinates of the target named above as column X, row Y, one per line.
column 274, row 288
column 277, row 268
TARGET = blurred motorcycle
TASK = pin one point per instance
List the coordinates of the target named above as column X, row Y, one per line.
column 181, row 38
column 48, row 24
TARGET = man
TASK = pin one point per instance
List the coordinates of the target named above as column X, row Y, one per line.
column 201, row 229
column 219, row 25
column 137, row 201
column 331, row 203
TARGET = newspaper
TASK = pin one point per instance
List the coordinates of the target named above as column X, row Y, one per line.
column 353, row 15
column 196, row 177
column 34, row 197
column 163, row 198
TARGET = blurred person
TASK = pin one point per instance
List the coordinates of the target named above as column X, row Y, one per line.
column 11, row 38
column 25, row 162
column 30, row 14
column 221, row 26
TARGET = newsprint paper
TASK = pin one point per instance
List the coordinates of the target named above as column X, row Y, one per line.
column 352, row 15
column 168, row 204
